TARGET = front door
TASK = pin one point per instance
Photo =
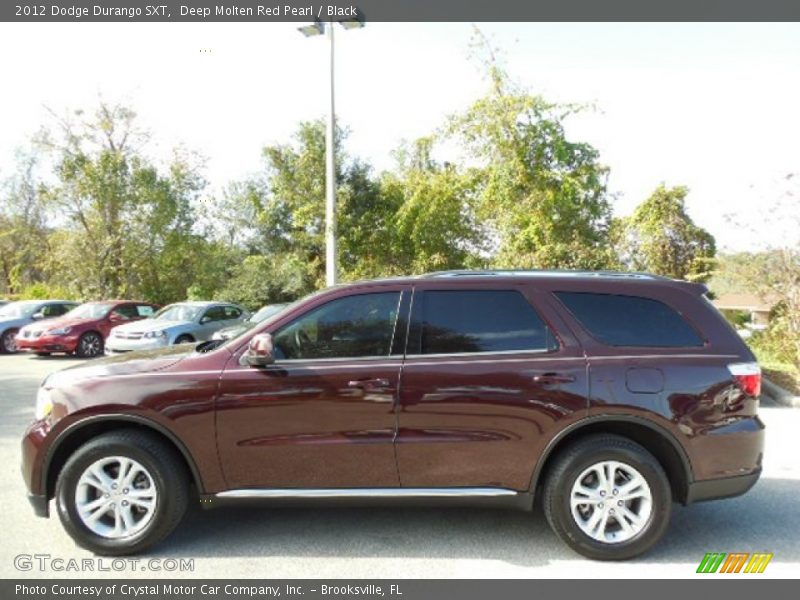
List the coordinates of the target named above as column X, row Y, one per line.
column 486, row 383
column 323, row 415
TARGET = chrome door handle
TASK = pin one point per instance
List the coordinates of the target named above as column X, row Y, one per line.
column 552, row 379
column 368, row 383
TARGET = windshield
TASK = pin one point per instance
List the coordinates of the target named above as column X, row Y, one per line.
column 178, row 312
column 15, row 310
column 89, row 311
column 266, row 312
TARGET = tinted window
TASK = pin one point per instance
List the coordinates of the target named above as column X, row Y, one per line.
column 480, row 321
column 127, row 311
column 231, row 312
column 215, row 313
column 145, row 310
column 630, row 320
column 354, row 326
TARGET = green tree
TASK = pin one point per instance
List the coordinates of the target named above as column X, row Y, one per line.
column 542, row 197
column 433, row 225
column 128, row 228
column 661, row 238
column 23, row 231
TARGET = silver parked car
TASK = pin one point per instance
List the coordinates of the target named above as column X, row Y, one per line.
column 175, row 324
column 15, row 315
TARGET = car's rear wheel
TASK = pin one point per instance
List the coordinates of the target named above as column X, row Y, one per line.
column 8, row 344
column 122, row 492
column 89, row 345
column 608, row 498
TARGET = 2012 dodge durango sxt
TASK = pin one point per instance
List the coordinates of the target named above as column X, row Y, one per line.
column 612, row 396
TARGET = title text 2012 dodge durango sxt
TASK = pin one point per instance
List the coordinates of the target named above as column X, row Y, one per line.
column 610, row 396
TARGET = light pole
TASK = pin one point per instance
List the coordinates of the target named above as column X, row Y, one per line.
column 319, row 28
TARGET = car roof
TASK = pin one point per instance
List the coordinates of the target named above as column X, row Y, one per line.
column 204, row 303
column 542, row 275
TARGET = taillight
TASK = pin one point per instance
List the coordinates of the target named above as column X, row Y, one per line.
column 748, row 376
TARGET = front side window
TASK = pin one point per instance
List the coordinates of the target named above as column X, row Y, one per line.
column 126, row 311
column 618, row 320
column 467, row 321
column 358, row 326
column 145, row 310
column 231, row 312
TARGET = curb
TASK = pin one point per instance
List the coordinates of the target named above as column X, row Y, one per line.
column 780, row 395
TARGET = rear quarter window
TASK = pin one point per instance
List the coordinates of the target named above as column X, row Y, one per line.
column 618, row 320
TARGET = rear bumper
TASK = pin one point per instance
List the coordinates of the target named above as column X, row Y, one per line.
column 727, row 487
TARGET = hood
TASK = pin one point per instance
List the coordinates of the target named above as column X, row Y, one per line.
column 124, row 364
column 58, row 322
column 146, row 325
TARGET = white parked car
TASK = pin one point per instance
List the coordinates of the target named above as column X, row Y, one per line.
column 178, row 323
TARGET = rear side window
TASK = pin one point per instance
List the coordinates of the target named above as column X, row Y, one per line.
column 630, row 320
column 465, row 321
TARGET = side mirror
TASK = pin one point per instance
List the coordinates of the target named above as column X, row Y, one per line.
column 204, row 320
column 115, row 318
column 260, row 352
column 37, row 316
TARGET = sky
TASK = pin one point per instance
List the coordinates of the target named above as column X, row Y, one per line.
column 710, row 106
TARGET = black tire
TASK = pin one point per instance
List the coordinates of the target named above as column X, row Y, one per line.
column 169, row 477
column 184, row 338
column 89, row 345
column 7, row 343
column 567, row 468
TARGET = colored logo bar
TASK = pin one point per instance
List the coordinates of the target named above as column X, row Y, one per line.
column 734, row 562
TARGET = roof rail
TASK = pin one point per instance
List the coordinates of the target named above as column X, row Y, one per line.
column 543, row 273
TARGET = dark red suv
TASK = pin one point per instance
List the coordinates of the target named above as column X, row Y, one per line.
column 610, row 395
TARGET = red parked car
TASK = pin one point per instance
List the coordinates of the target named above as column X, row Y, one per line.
column 82, row 330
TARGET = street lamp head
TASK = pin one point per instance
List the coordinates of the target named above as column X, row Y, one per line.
column 316, row 28
column 355, row 23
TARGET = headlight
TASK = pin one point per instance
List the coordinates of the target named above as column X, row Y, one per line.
column 59, row 331
column 43, row 403
column 155, row 334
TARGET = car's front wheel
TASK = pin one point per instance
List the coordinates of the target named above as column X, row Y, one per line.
column 89, row 345
column 122, row 492
column 8, row 344
column 608, row 498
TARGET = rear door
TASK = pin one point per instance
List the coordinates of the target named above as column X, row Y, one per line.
column 489, row 376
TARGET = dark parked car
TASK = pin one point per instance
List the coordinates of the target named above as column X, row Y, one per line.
column 83, row 330
column 611, row 396
column 261, row 315
column 15, row 315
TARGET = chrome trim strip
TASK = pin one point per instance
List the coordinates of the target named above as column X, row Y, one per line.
column 367, row 493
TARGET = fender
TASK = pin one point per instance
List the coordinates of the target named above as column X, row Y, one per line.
column 665, row 433
column 118, row 417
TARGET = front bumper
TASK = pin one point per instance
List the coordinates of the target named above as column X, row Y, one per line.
column 48, row 343
column 40, row 504
column 33, row 450
column 116, row 345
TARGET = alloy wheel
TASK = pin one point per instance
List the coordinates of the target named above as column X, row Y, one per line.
column 116, row 497
column 611, row 502
column 9, row 344
column 90, row 345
